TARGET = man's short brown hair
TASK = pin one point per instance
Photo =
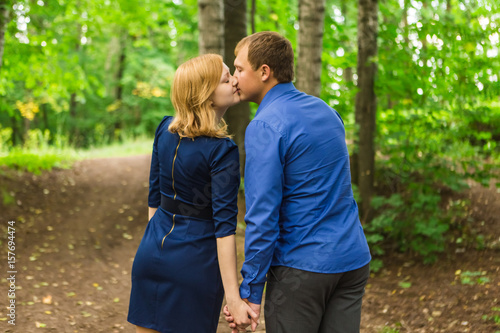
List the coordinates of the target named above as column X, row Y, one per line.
column 272, row 49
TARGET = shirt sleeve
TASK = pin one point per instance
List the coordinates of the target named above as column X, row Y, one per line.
column 154, row 198
column 338, row 115
column 264, row 180
column 225, row 173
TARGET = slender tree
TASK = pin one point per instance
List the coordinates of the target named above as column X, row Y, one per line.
column 252, row 15
column 73, row 103
column 348, row 45
column 211, row 26
column 235, row 28
column 366, row 103
column 310, row 46
column 4, row 20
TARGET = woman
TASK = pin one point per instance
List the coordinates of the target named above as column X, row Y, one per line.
column 187, row 257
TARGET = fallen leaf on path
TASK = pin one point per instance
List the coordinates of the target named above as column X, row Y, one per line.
column 436, row 313
column 40, row 325
column 86, row 314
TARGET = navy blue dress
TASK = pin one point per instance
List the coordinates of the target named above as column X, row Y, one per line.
column 176, row 282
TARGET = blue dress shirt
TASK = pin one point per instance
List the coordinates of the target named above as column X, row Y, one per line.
column 300, row 209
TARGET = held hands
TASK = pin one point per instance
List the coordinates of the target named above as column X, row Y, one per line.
column 242, row 314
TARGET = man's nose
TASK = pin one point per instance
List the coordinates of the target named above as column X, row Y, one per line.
column 234, row 80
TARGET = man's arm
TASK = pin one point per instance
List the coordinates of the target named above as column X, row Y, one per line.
column 264, row 180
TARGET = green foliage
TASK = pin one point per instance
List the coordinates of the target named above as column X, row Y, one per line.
column 404, row 284
column 38, row 155
column 425, row 155
column 438, row 114
column 7, row 197
column 93, row 71
column 495, row 317
column 389, row 330
column 375, row 264
column 32, row 162
column 473, row 278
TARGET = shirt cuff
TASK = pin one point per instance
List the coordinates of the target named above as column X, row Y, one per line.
column 252, row 292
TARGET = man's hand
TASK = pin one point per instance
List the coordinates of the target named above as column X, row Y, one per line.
column 235, row 328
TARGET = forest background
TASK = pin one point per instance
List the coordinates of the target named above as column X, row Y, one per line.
column 84, row 74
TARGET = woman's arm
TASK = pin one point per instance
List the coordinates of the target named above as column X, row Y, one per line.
column 240, row 311
column 151, row 212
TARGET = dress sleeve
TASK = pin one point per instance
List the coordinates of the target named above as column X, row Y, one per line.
column 225, row 174
column 154, row 198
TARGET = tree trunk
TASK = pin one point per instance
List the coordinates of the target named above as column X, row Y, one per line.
column 406, row 4
column 72, row 105
column 252, row 15
column 75, row 138
column 4, row 20
column 119, row 78
column 45, row 115
column 310, row 46
column 347, row 77
column 235, row 28
column 15, row 131
column 348, row 46
column 121, row 68
column 366, row 103
column 211, row 26
column 27, row 126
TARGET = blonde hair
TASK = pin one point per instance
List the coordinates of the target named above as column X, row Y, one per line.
column 194, row 83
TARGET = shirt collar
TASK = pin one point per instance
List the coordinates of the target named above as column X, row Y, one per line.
column 274, row 93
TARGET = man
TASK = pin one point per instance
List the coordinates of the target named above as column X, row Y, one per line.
column 303, row 228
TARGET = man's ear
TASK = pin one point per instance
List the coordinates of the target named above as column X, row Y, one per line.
column 265, row 72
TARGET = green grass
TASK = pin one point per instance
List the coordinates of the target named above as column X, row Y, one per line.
column 140, row 146
column 33, row 161
column 37, row 160
column 389, row 330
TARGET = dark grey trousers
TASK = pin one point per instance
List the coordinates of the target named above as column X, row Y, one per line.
column 298, row 301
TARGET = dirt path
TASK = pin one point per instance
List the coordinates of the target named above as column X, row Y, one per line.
column 77, row 232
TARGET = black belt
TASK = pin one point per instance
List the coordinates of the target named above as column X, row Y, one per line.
column 182, row 208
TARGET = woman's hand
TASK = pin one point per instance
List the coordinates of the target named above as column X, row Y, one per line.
column 239, row 314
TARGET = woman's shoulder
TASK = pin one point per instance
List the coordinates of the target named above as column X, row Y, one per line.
column 163, row 126
column 166, row 121
column 219, row 143
column 213, row 148
column 223, row 148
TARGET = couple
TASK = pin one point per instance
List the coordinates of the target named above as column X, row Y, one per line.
column 303, row 229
